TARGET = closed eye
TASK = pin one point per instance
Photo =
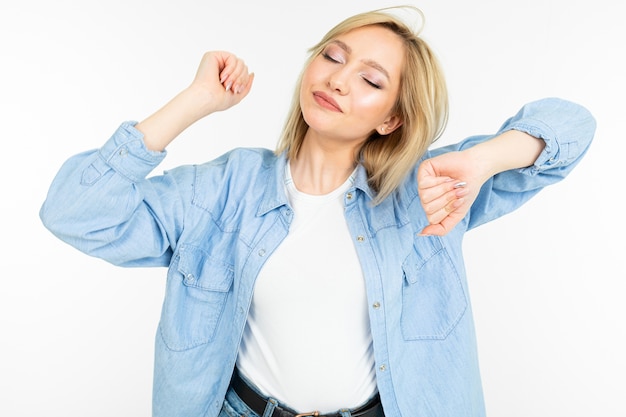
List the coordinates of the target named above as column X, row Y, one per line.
column 373, row 84
column 338, row 60
column 329, row 58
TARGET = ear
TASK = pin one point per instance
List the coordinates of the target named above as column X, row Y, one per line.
column 389, row 125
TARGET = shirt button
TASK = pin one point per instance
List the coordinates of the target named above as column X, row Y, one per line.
column 262, row 252
column 123, row 151
column 349, row 196
column 189, row 279
column 376, row 305
column 360, row 238
column 382, row 368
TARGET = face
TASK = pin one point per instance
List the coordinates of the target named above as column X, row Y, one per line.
column 350, row 89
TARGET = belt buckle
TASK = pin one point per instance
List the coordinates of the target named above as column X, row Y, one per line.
column 312, row 414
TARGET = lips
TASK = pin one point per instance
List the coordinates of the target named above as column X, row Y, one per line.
column 326, row 101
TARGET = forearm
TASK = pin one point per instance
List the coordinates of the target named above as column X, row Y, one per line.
column 162, row 127
column 222, row 80
column 510, row 150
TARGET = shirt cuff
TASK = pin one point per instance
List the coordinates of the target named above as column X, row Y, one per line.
column 548, row 158
column 127, row 153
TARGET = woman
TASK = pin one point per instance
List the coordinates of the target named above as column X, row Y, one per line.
column 326, row 277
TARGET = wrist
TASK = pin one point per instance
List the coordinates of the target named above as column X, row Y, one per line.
column 186, row 108
column 512, row 149
column 195, row 103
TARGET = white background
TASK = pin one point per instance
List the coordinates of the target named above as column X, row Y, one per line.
column 547, row 282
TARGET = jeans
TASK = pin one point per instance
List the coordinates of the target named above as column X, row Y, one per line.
column 234, row 407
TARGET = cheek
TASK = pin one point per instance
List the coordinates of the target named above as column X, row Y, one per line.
column 312, row 73
column 308, row 80
column 373, row 105
column 304, row 86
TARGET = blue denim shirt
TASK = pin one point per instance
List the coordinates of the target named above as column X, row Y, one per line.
column 214, row 225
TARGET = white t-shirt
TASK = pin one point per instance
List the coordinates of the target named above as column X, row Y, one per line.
column 307, row 341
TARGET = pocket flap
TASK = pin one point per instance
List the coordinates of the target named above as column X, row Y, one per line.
column 425, row 249
column 202, row 271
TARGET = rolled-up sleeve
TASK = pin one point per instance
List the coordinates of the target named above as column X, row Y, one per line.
column 126, row 153
column 566, row 128
column 102, row 202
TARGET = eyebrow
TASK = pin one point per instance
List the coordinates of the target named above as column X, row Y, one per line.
column 368, row 62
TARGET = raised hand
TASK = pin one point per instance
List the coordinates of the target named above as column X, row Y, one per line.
column 447, row 186
column 222, row 80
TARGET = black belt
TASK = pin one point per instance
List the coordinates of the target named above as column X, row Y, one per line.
column 257, row 403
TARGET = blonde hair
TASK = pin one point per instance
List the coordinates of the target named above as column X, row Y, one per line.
column 422, row 105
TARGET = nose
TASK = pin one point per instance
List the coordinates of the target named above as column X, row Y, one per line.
column 338, row 81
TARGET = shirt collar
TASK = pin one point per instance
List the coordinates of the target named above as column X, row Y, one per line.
column 361, row 182
column 274, row 195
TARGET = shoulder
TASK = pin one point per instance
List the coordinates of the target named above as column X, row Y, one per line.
column 238, row 164
column 238, row 157
column 236, row 175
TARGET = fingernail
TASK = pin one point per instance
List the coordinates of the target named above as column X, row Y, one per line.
column 460, row 184
column 230, row 84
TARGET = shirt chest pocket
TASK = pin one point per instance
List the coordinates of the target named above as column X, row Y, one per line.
column 197, row 288
column 433, row 299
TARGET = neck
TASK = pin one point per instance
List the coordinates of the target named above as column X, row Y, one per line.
column 321, row 167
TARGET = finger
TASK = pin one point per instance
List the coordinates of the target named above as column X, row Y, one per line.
column 225, row 62
column 248, row 86
column 435, row 199
column 444, row 226
column 237, row 78
column 429, row 181
column 243, row 91
column 439, row 229
column 209, row 68
column 241, row 81
column 230, row 66
column 436, row 204
column 429, row 194
column 433, row 230
column 444, row 212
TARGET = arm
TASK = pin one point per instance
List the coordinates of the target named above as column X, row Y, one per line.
column 445, row 199
column 490, row 176
column 222, row 80
column 102, row 202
